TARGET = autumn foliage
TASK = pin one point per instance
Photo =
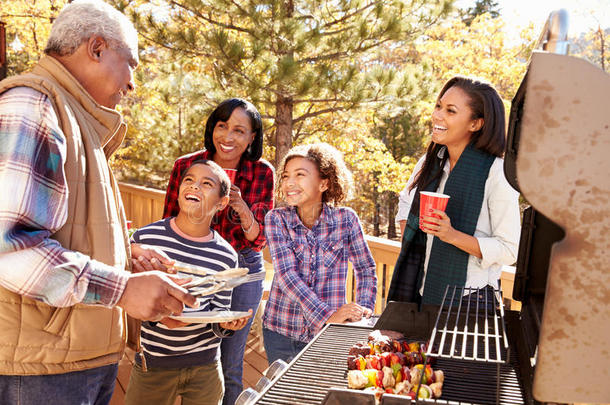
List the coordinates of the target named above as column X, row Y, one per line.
column 361, row 75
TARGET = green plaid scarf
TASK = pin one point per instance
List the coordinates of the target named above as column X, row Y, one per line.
column 447, row 264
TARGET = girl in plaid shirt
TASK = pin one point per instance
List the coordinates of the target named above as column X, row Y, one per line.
column 311, row 242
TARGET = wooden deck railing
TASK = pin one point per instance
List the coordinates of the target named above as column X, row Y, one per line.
column 145, row 205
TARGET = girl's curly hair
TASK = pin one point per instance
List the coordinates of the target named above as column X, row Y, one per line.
column 331, row 166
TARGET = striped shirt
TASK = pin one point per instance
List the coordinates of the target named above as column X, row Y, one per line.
column 34, row 206
column 311, row 269
column 195, row 344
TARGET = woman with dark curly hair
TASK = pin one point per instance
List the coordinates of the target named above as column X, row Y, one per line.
column 234, row 140
column 311, row 242
column 467, row 244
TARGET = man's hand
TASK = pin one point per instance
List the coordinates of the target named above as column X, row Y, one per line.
column 147, row 258
column 172, row 323
column 153, row 295
column 236, row 324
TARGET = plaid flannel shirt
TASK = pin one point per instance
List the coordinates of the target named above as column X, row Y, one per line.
column 311, row 268
column 255, row 181
column 34, row 205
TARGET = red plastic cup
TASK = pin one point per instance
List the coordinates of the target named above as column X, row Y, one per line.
column 429, row 201
column 232, row 173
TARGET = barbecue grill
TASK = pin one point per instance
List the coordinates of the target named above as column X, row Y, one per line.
column 557, row 348
column 468, row 342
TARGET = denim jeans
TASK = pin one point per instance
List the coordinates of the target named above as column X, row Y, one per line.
column 485, row 299
column 278, row 346
column 246, row 296
column 88, row 387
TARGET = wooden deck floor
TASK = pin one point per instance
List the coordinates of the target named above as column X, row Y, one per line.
column 255, row 362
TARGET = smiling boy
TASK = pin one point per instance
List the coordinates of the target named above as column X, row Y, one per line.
column 179, row 358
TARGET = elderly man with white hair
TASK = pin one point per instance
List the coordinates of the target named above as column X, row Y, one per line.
column 64, row 250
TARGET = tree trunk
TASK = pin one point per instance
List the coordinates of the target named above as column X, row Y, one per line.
column 284, row 105
column 3, row 61
column 392, row 200
column 377, row 209
column 283, row 127
column 180, row 130
column 601, row 47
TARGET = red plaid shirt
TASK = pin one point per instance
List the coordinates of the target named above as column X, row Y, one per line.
column 254, row 179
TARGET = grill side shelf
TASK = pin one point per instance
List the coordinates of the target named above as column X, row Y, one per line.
column 470, row 329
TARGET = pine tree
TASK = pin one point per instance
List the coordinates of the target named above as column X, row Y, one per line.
column 27, row 25
column 593, row 45
column 405, row 138
column 294, row 59
column 480, row 7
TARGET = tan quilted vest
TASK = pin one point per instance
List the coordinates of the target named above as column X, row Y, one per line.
column 39, row 339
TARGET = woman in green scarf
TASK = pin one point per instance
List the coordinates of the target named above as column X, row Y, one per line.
column 467, row 244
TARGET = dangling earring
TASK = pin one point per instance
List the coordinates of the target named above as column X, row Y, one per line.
column 250, row 149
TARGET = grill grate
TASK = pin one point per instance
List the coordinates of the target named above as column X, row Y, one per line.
column 468, row 330
column 323, row 365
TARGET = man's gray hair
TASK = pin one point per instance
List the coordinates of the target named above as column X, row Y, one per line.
column 83, row 19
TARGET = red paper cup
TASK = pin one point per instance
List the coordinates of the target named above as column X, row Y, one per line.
column 232, row 173
column 429, row 201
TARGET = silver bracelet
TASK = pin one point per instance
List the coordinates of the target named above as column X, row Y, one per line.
column 246, row 231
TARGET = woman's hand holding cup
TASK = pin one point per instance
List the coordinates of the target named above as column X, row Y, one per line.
column 438, row 224
column 432, row 217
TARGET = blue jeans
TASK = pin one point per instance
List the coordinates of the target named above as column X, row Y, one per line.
column 485, row 299
column 88, row 387
column 278, row 346
column 246, row 296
